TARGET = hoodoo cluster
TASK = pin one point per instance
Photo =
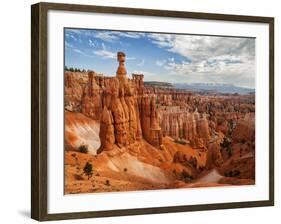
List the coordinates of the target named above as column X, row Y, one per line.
column 125, row 112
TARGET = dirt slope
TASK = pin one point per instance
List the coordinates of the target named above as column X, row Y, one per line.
column 81, row 130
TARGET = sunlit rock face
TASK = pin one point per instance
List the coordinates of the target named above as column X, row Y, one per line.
column 149, row 120
column 155, row 137
column 91, row 101
column 132, row 114
column 181, row 124
column 73, row 90
column 125, row 112
column 129, row 112
column 214, row 157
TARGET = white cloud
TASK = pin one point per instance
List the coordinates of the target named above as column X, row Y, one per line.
column 162, row 40
column 171, row 59
column 106, row 36
column 113, row 36
column 105, row 54
column 193, row 58
column 68, row 45
column 76, row 31
column 134, row 35
column 81, row 52
column 160, row 62
column 92, row 43
column 225, row 58
column 76, row 50
column 71, row 36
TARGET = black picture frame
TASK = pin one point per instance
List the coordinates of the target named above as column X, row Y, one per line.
column 39, row 121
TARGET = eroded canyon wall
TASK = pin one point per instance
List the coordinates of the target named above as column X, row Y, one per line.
column 128, row 111
column 124, row 112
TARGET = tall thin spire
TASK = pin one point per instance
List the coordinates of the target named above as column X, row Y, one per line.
column 121, row 72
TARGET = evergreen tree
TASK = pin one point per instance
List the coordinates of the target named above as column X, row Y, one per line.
column 88, row 170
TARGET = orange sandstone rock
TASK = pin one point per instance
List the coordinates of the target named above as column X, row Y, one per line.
column 91, row 100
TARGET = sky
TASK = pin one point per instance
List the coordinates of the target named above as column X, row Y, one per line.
column 174, row 58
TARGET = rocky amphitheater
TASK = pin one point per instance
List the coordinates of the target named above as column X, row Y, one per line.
column 144, row 137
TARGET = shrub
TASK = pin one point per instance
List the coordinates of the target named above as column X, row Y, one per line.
column 125, row 169
column 107, row 183
column 73, row 154
column 88, row 170
column 83, row 148
column 226, row 142
column 186, row 177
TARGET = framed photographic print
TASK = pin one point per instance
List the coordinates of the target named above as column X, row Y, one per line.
column 139, row 111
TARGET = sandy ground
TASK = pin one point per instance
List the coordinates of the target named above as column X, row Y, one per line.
column 121, row 173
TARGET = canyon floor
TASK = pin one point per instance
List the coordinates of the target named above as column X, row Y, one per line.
column 140, row 166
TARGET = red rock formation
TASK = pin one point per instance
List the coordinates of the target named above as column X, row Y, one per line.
column 128, row 119
column 138, row 82
column 120, row 116
column 182, row 124
column 214, row 157
column 149, row 121
column 106, row 131
column 171, row 131
column 132, row 119
column 245, row 129
column 73, row 91
column 128, row 111
column 203, row 127
column 91, row 101
column 121, row 72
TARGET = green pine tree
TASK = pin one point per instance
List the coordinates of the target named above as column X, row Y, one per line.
column 88, row 170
